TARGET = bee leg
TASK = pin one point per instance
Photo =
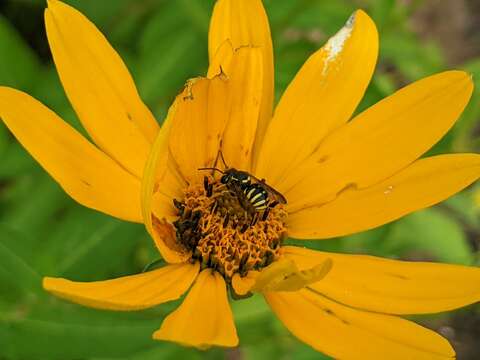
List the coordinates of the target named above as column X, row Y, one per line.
column 244, row 228
column 226, row 220
column 273, row 204
column 180, row 206
column 265, row 213
column 206, row 184
column 213, row 208
column 195, row 219
column 245, row 216
column 254, row 219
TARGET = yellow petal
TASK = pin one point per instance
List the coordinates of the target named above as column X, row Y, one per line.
column 322, row 97
column 204, row 318
column 245, row 23
column 382, row 140
column 245, row 87
column 390, row 286
column 223, row 111
column 127, row 293
column 84, row 172
column 198, row 124
column 243, row 69
column 160, row 185
column 277, row 270
column 243, row 285
column 346, row 333
column 284, row 275
column 100, row 88
column 207, row 113
column 301, row 278
column 422, row 184
column 221, row 62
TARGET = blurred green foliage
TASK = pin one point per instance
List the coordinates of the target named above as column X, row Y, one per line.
column 43, row 232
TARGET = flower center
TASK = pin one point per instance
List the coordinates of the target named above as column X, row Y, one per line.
column 225, row 231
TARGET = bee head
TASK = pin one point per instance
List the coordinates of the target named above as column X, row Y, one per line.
column 240, row 177
column 226, row 178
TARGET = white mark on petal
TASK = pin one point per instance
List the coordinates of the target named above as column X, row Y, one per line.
column 334, row 45
column 388, row 190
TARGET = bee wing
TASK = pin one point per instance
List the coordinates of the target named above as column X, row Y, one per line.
column 274, row 193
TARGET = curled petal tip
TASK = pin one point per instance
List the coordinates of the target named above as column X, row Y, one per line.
column 51, row 3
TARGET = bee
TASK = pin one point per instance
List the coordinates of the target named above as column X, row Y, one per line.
column 259, row 197
column 254, row 195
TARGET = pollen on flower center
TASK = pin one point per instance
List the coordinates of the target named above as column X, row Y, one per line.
column 221, row 234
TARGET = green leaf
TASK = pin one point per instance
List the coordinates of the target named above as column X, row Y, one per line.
column 197, row 13
column 4, row 139
column 171, row 51
column 168, row 351
column 103, row 13
column 87, row 245
column 462, row 206
column 381, row 12
column 50, row 92
column 254, row 319
column 19, row 65
column 161, row 70
column 35, row 203
column 371, row 242
column 413, row 59
column 15, row 160
column 15, row 271
column 49, row 339
column 430, row 234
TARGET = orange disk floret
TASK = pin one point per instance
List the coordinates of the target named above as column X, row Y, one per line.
column 220, row 233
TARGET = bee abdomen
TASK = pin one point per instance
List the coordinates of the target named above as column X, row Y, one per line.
column 257, row 196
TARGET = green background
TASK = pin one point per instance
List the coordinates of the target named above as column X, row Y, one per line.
column 43, row 232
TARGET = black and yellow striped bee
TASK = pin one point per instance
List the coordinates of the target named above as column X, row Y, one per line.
column 253, row 194
column 262, row 197
column 235, row 176
column 257, row 196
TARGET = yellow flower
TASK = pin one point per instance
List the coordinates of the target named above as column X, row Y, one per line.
column 338, row 175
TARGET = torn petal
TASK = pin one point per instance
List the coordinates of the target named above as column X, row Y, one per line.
column 284, row 275
column 243, row 285
column 320, row 99
column 160, row 186
column 245, row 23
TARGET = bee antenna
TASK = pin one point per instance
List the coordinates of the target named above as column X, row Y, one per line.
column 223, row 159
column 211, row 168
